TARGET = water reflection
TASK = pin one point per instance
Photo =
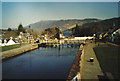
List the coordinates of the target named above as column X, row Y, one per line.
column 42, row 63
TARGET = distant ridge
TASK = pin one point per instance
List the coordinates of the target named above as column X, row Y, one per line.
column 62, row 24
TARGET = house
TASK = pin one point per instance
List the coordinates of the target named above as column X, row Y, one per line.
column 83, row 38
column 115, row 34
column 41, row 37
column 100, row 36
column 46, row 37
column 26, row 37
column 6, row 42
column 3, row 42
column 30, row 39
column 62, row 36
column 10, row 42
column 0, row 42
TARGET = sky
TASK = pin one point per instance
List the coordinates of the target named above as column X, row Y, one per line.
column 60, row 0
column 14, row 13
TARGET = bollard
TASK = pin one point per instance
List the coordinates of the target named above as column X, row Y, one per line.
column 91, row 59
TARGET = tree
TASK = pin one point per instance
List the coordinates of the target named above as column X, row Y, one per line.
column 36, row 32
column 76, row 30
column 20, row 28
column 29, row 27
column 58, row 32
column 76, row 25
column 9, row 29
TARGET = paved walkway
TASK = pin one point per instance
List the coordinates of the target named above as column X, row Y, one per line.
column 17, row 51
column 90, row 70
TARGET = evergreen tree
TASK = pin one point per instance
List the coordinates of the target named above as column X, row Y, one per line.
column 29, row 27
column 20, row 28
column 9, row 29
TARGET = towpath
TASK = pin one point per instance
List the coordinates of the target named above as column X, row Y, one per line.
column 90, row 70
column 18, row 51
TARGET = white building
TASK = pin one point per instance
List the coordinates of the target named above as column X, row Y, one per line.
column 83, row 38
column 62, row 36
column 10, row 42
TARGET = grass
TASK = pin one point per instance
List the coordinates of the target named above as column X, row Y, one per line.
column 107, row 56
column 6, row 48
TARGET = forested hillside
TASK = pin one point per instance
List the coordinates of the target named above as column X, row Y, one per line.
column 88, row 29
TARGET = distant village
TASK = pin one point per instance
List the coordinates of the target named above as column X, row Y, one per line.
column 31, row 36
column 26, row 36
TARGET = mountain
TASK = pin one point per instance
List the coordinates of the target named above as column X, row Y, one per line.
column 88, row 29
column 62, row 24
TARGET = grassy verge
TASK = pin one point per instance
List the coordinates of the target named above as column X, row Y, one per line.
column 107, row 56
column 6, row 48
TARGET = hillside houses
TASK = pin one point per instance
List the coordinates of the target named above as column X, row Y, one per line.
column 116, row 36
column 26, row 37
column 113, row 37
column 22, row 38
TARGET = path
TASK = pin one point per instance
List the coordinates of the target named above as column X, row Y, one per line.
column 89, row 70
column 17, row 51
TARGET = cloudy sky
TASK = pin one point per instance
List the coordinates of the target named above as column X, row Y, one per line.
column 14, row 13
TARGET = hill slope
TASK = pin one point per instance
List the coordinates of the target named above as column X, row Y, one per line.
column 88, row 29
column 62, row 24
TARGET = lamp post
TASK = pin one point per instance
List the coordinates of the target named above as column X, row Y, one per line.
column 94, row 38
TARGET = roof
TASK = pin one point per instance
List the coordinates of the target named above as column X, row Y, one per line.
column 10, row 42
column 7, row 40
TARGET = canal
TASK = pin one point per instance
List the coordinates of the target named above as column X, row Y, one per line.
column 42, row 63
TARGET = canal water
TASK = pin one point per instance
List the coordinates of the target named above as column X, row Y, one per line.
column 42, row 63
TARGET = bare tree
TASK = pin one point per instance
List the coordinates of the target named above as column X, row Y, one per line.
column 36, row 32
